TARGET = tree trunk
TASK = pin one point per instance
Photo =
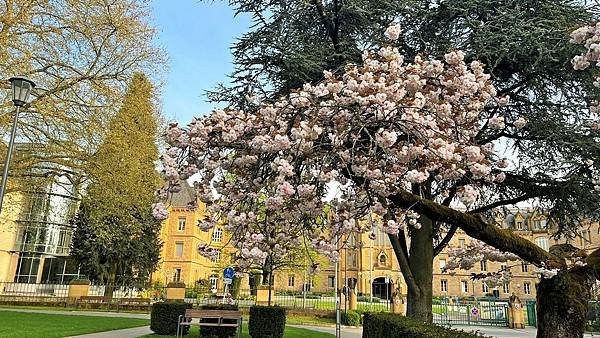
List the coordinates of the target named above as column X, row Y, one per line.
column 562, row 305
column 421, row 266
column 109, row 288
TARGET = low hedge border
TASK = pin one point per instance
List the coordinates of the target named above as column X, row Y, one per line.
column 164, row 316
column 266, row 322
column 389, row 325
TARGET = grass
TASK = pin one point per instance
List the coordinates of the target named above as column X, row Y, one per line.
column 290, row 332
column 21, row 324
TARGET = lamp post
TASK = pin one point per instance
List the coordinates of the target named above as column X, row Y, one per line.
column 21, row 88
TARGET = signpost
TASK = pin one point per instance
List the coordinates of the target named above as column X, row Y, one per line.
column 228, row 274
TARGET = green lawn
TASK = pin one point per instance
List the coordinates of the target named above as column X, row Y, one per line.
column 290, row 332
column 21, row 324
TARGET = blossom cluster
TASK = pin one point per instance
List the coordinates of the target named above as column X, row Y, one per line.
column 589, row 37
column 474, row 252
column 373, row 131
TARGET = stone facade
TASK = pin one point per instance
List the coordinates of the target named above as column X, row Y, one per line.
column 369, row 265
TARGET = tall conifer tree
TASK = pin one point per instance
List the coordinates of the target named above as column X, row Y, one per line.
column 116, row 237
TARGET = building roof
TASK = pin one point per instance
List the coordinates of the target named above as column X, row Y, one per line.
column 185, row 197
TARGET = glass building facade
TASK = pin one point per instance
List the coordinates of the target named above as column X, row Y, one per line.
column 45, row 228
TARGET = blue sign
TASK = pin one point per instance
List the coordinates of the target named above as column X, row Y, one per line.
column 228, row 272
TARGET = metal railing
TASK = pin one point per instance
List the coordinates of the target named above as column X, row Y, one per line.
column 448, row 311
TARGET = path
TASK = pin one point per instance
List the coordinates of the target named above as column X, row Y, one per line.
column 347, row 332
column 124, row 333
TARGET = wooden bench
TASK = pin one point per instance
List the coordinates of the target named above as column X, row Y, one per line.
column 103, row 300
column 93, row 300
column 213, row 318
column 133, row 301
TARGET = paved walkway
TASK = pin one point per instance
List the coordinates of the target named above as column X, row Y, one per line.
column 124, row 333
column 347, row 332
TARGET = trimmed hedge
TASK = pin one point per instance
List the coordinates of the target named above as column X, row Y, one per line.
column 351, row 318
column 220, row 332
column 389, row 325
column 266, row 322
column 164, row 316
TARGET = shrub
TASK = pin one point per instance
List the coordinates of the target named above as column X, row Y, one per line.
column 389, row 325
column 368, row 299
column 220, row 332
column 80, row 282
column 351, row 318
column 266, row 322
column 164, row 316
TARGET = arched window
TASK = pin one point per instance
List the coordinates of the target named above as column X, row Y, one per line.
column 542, row 242
column 382, row 260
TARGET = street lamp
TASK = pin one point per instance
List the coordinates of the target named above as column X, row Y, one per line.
column 21, row 88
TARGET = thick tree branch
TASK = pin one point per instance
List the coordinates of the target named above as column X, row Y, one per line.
column 475, row 226
column 441, row 245
column 402, row 254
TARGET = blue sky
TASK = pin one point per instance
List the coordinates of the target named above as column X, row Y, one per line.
column 197, row 36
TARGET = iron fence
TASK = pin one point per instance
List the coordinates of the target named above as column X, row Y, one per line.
column 449, row 311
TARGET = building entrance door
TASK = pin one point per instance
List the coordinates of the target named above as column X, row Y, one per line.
column 381, row 289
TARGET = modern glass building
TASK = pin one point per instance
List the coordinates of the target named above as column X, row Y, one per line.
column 44, row 226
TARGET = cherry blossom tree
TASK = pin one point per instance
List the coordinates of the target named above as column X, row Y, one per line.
column 406, row 141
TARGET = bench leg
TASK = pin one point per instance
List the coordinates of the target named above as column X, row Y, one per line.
column 178, row 325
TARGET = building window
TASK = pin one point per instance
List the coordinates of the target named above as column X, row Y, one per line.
column 217, row 257
column 27, row 269
column 483, row 265
column 382, row 260
column 461, row 243
column 506, row 288
column 444, row 285
column 519, row 225
column 178, row 249
column 524, row 267
column 331, row 281
column 352, row 260
column 181, row 224
column 217, row 235
column 464, row 286
column 485, row 288
column 542, row 242
column 351, row 241
column 213, row 282
column 381, row 238
column 503, row 267
column 291, row 280
column 177, row 275
column 527, row 288
column 442, row 264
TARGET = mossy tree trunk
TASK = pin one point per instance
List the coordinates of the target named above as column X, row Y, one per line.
column 416, row 265
column 562, row 300
column 562, row 304
column 421, row 264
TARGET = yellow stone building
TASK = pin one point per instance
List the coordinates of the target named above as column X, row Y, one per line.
column 181, row 236
column 371, row 268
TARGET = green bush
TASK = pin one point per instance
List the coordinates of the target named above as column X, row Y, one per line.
column 351, row 318
column 219, row 332
column 266, row 322
column 389, row 325
column 164, row 316
column 368, row 299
